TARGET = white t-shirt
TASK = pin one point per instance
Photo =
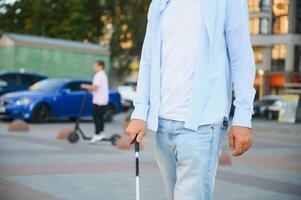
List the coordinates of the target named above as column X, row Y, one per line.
column 101, row 95
column 181, row 28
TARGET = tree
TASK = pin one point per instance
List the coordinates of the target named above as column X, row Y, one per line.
column 123, row 22
column 72, row 19
column 128, row 18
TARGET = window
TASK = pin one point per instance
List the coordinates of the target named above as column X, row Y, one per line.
column 74, row 86
column 265, row 5
column 12, row 79
column 264, row 25
column 29, row 79
column 3, row 84
column 258, row 55
column 254, row 26
column 259, row 25
column 278, row 57
column 280, row 25
column 280, row 16
column 259, row 5
column 254, row 5
column 280, row 7
column 47, row 85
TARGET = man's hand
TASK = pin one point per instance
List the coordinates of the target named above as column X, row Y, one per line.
column 89, row 87
column 136, row 126
column 85, row 86
column 240, row 139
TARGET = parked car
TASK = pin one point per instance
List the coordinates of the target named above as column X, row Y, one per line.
column 274, row 109
column 127, row 92
column 261, row 107
column 15, row 81
column 53, row 98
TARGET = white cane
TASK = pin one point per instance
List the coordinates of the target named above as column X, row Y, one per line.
column 137, row 167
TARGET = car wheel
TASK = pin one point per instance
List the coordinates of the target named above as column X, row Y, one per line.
column 41, row 113
column 109, row 114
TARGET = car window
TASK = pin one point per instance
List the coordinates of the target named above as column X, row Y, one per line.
column 267, row 102
column 3, row 83
column 74, row 86
column 11, row 79
column 28, row 79
column 48, row 85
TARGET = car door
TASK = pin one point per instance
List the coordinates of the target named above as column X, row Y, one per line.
column 87, row 107
column 71, row 99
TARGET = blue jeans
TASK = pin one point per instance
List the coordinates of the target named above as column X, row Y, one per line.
column 188, row 159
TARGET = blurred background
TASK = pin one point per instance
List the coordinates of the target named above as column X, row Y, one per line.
column 47, row 48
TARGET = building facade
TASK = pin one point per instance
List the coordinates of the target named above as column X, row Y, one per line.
column 275, row 27
column 49, row 56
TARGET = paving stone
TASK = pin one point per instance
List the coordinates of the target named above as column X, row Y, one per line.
column 38, row 166
column 14, row 191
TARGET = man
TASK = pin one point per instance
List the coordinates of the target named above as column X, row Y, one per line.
column 100, row 91
column 193, row 53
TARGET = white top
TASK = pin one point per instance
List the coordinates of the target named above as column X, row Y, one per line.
column 181, row 42
column 101, row 95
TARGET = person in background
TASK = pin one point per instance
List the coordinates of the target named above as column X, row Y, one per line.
column 100, row 91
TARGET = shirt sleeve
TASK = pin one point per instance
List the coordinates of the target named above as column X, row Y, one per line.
column 141, row 101
column 241, row 61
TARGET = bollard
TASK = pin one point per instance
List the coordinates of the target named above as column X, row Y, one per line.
column 18, row 126
column 64, row 133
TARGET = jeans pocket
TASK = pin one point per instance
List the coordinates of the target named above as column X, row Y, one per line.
column 163, row 126
column 206, row 129
column 205, row 134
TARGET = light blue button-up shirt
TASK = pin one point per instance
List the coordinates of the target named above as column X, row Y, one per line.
column 226, row 64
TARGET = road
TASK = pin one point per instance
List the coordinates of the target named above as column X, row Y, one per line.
column 35, row 165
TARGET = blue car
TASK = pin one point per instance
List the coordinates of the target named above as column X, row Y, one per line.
column 52, row 99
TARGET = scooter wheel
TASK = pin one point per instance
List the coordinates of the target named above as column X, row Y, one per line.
column 114, row 139
column 73, row 137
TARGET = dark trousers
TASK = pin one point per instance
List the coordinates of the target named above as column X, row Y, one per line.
column 98, row 113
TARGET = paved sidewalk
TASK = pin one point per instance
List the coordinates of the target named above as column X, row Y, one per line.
column 34, row 165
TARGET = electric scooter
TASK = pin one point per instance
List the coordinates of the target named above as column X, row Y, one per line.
column 75, row 135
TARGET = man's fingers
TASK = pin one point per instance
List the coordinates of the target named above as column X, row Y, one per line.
column 247, row 146
column 231, row 142
column 132, row 135
column 139, row 137
column 240, row 140
column 238, row 148
column 250, row 143
column 136, row 127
